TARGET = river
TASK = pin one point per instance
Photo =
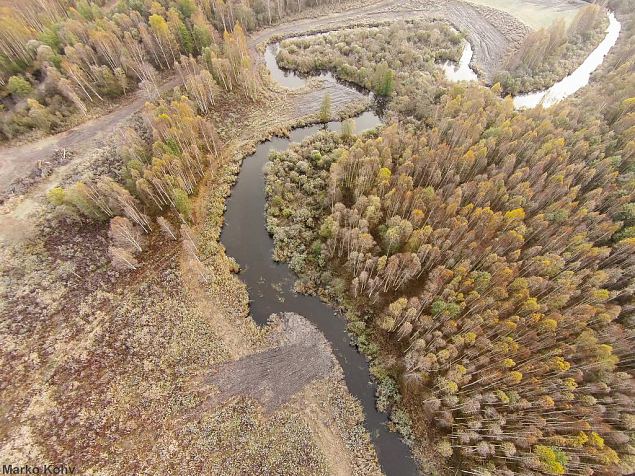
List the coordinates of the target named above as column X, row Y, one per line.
column 580, row 76
column 270, row 284
column 461, row 71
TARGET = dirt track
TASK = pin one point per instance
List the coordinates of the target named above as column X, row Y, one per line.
column 493, row 33
column 18, row 161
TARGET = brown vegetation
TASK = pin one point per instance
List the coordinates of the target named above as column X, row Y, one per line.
column 410, row 48
column 486, row 260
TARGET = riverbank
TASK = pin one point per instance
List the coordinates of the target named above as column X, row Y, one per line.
column 577, row 79
column 101, row 353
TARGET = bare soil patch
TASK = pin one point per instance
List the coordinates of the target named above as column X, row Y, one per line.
column 300, row 354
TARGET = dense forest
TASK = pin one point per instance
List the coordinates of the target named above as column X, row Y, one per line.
column 487, row 265
column 60, row 58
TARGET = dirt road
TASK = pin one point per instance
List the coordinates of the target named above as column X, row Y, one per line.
column 18, row 161
column 493, row 34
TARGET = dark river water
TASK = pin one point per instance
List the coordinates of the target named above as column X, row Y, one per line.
column 270, row 284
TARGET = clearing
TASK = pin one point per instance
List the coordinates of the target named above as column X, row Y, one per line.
column 536, row 13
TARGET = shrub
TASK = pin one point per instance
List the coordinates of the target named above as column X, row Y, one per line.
column 56, row 196
column 19, row 86
column 182, row 203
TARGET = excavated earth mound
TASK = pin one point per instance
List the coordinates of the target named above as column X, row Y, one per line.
column 299, row 355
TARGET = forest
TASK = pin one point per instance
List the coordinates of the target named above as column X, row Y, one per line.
column 59, row 62
column 483, row 256
column 161, row 174
column 115, row 293
column 486, row 263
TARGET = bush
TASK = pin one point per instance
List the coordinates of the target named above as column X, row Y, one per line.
column 387, row 392
column 56, row 196
column 18, row 86
column 41, row 116
column 182, row 203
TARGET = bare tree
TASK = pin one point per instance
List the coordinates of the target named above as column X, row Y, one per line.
column 166, row 228
column 125, row 235
column 122, row 259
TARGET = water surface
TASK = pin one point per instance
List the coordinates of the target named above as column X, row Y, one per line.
column 270, row 284
column 462, row 71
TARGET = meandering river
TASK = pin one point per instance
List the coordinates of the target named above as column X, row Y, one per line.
column 270, row 284
column 580, row 76
column 462, row 71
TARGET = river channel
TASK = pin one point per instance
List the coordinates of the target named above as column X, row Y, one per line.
column 270, row 284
